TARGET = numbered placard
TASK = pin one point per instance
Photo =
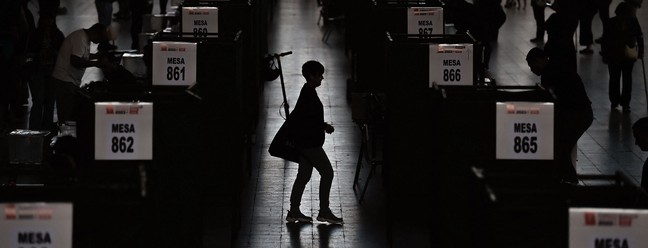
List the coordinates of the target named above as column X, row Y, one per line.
column 425, row 20
column 200, row 20
column 123, row 131
column 174, row 63
column 451, row 64
column 601, row 227
column 42, row 225
column 525, row 130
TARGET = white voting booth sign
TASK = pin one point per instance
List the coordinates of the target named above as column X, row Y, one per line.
column 425, row 20
column 40, row 225
column 200, row 20
column 123, row 131
column 451, row 64
column 174, row 63
column 608, row 228
column 524, row 130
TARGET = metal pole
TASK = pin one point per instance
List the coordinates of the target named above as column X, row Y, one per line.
column 643, row 68
column 283, row 87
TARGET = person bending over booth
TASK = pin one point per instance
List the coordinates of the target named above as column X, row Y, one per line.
column 573, row 111
column 73, row 58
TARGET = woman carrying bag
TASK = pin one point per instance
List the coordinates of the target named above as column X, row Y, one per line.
column 622, row 45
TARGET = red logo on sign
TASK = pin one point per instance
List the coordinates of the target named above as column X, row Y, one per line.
column 590, row 219
column 163, row 47
column 182, row 49
column 133, row 110
column 625, row 220
column 110, row 110
column 45, row 214
column 10, row 212
column 510, row 109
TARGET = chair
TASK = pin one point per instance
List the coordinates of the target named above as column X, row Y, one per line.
column 371, row 147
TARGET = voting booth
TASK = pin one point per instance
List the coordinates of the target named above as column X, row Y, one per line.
column 508, row 129
column 214, row 18
column 607, row 227
column 182, row 136
column 522, row 209
column 36, row 225
column 367, row 23
column 162, row 161
column 442, row 120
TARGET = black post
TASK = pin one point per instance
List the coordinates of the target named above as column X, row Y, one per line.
column 643, row 68
column 283, row 88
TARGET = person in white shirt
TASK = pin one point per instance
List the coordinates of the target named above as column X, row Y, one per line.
column 73, row 58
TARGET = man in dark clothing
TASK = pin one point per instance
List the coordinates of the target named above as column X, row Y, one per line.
column 587, row 10
column 16, row 24
column 539, row 16
column 604, row 13
column 308, row 120
column 42, row 53
column 573, row 111
column 561, row 27
column 482, row 20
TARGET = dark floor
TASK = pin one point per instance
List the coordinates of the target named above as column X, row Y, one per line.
column 606, row 147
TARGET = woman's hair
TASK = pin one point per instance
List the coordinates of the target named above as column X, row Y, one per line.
column 312, row 67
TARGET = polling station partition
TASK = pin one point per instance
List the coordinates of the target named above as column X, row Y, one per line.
column 527, row 210
column 509, row 129
column 367, row 22
column 186, row 129
column 228, row 18
column 441, row 121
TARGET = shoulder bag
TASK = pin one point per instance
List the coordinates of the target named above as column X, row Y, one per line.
column 283, row 143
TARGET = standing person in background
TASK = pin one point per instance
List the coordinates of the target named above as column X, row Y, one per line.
column 163, row 6
column 586, row 11
column 561, row 27
column 308, row 120
column 14, row 35
column 42, row 52
column 482, row 20
column 73, row 58
column 104, row 11
column 604, row 14
column 493, row 16
column 538, row 7
column 124, row 12
column 138, row 9
column 622, row 35
column 573, row 110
